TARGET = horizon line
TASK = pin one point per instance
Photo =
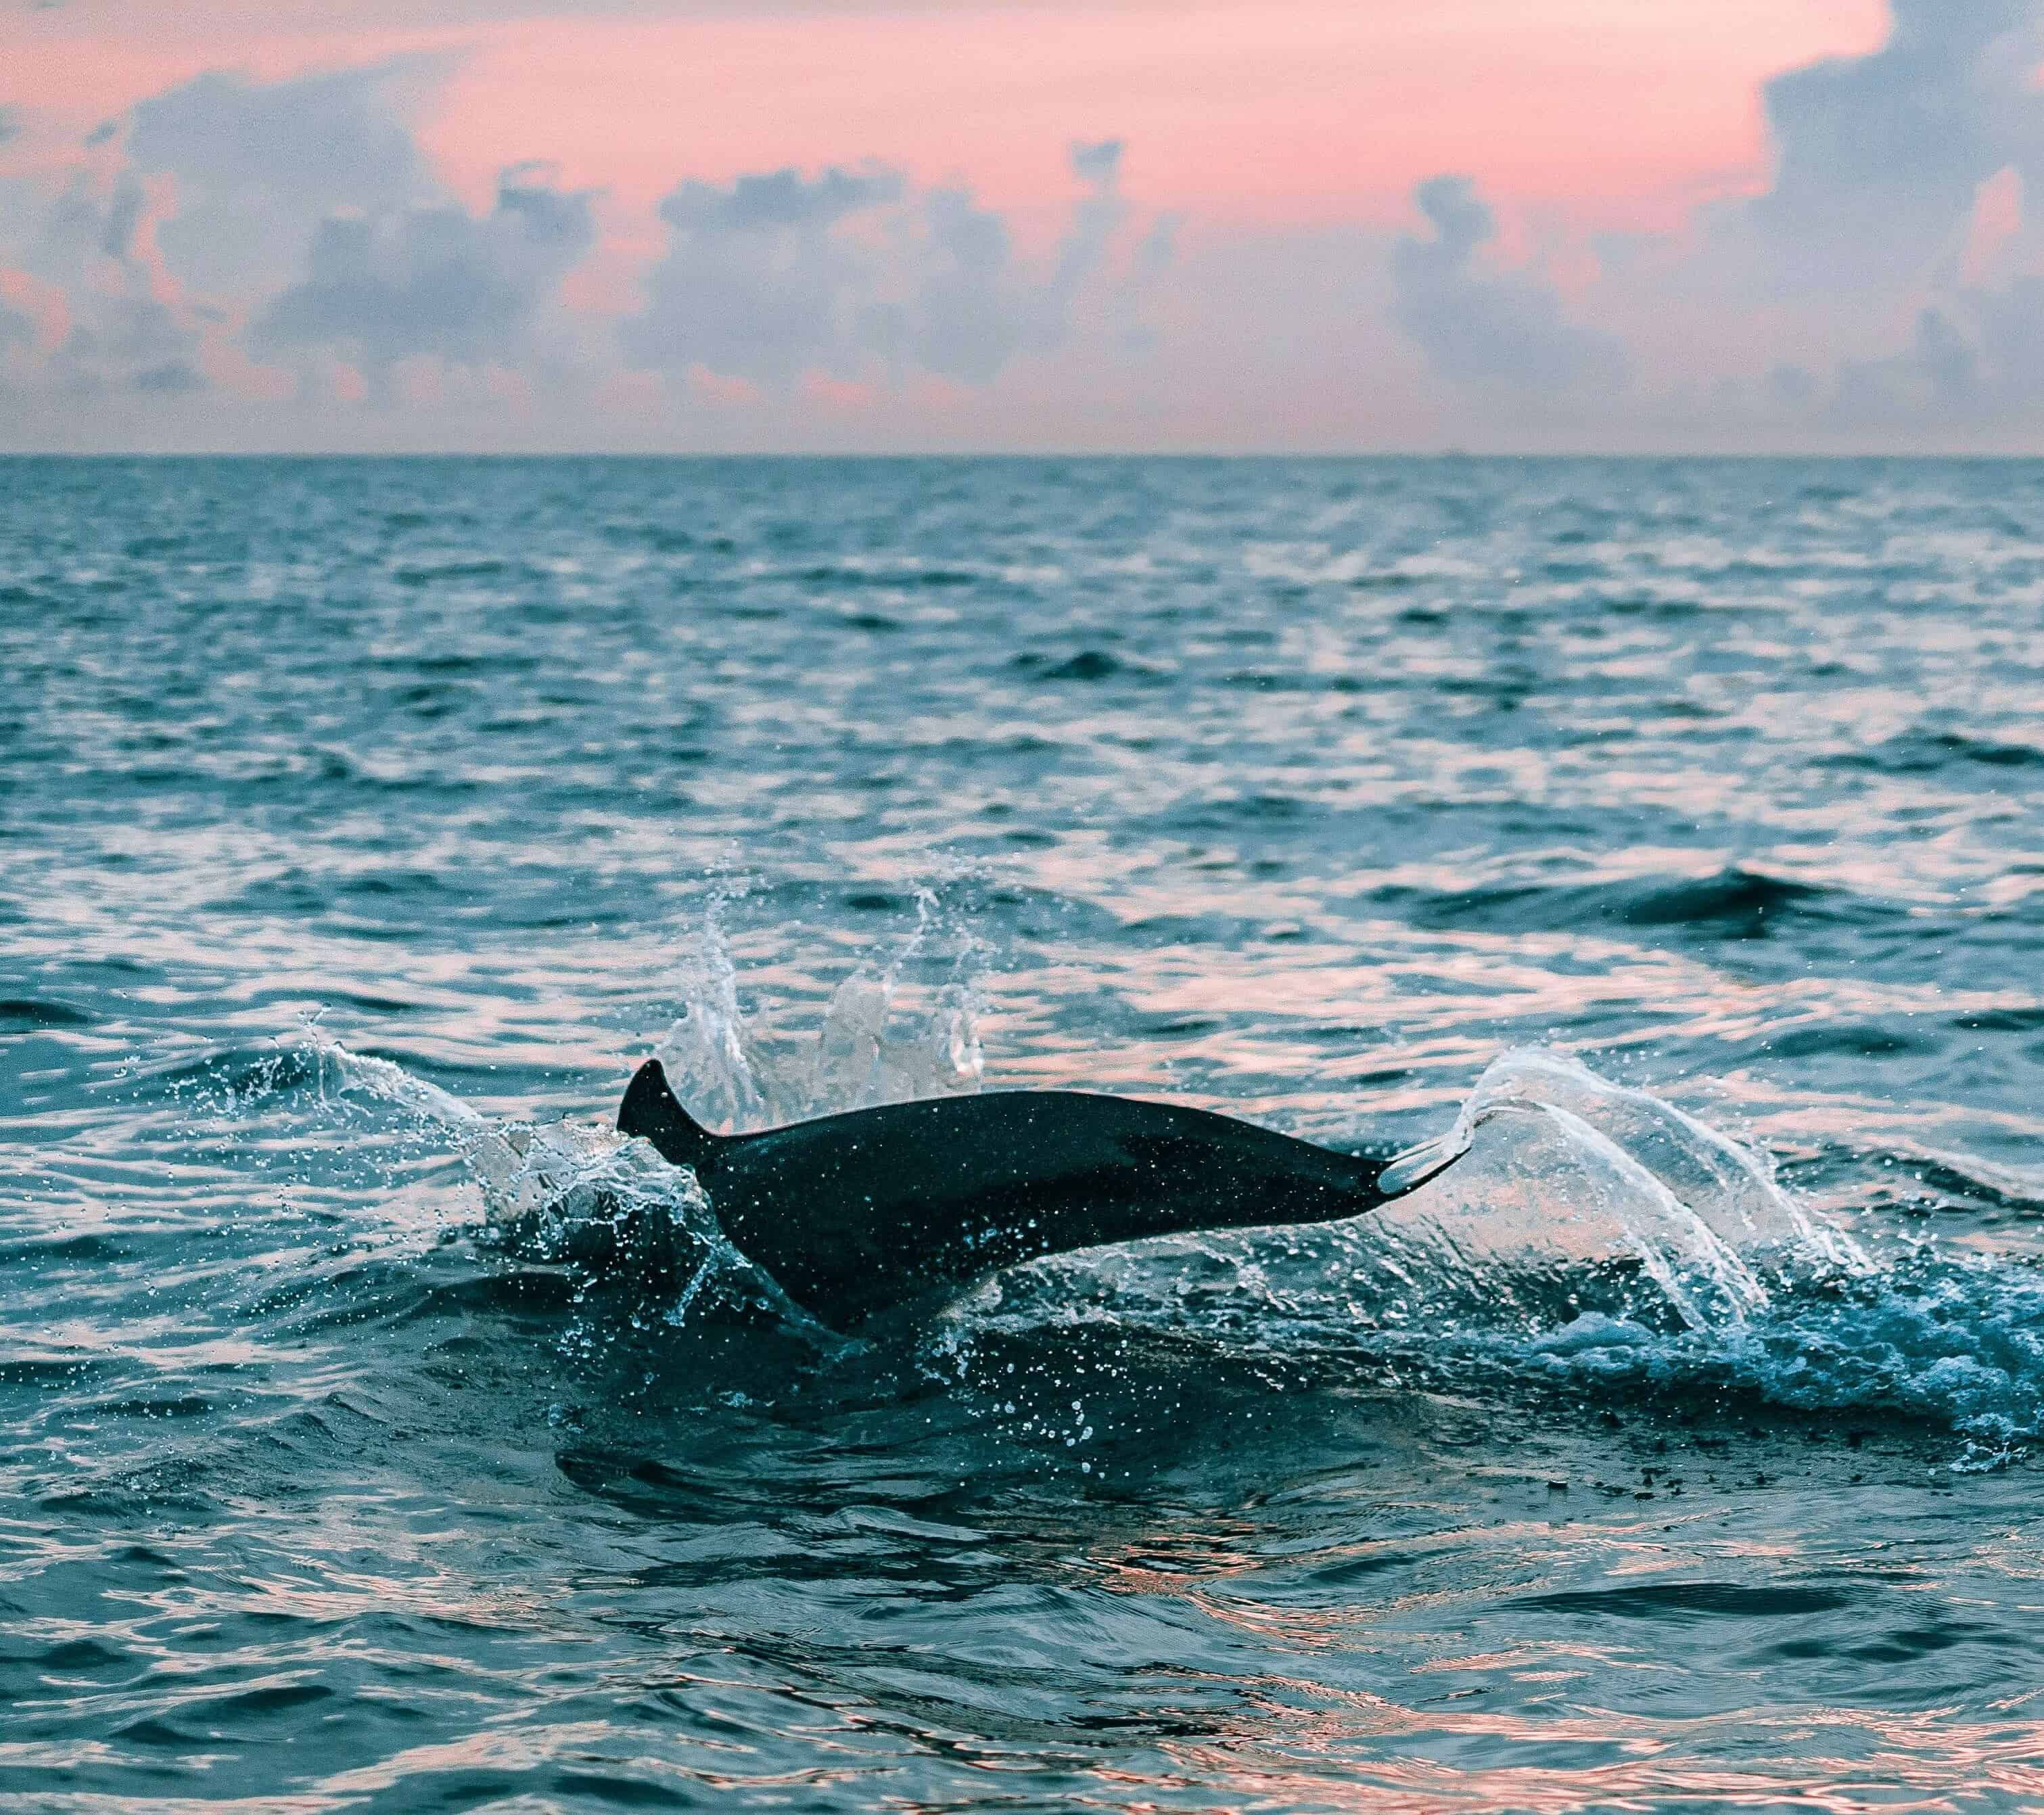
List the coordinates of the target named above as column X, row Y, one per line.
column 985, row 454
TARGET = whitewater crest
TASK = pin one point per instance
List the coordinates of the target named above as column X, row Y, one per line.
column 1595, row 1234
column 1610, row 1198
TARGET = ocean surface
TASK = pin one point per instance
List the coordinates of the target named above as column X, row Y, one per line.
column 1676, row 827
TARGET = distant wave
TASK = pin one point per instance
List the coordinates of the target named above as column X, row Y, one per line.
column 1731, row 903
column 1920, row 752
column 25, row 1014
column 1084, row 665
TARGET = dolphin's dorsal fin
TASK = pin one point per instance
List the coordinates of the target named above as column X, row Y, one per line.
column 651, row 1111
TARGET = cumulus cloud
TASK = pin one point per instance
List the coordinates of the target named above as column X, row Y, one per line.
column 777, row 274
column 434, row 280
column 764, row 277
column 234, row 244
column 1884, row 285
column 1484, row 329
column 1882, row 164
column 1878, row 159
column 179, row 215
column 258, row 166
column 85, row 245
column 297, row 221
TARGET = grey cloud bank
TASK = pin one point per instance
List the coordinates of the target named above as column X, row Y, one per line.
column 775, row 275
column 1482, row 330
column 433, row 281
column 1878, row 159
column 238, row 263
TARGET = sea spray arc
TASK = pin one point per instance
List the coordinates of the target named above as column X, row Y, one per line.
column 858, row 1212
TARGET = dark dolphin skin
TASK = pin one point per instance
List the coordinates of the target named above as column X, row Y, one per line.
column 856, row 1213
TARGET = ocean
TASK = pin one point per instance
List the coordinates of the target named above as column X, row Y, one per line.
column 1676, row 827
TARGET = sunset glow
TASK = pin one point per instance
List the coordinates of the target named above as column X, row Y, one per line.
column 1270, row 157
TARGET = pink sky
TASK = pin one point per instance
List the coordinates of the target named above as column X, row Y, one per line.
column 1483, row 222
column 1613, row 113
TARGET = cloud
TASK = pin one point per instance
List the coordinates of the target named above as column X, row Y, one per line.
column 779, row 200
column 1936, row 379
column 762, row 278
column 181, row 216
column 1973, row 362
column 1878, row 159
column 258, row 166
column 1883, row 286
column 218, row 240
column 63, row 229
column 776, row 275
column 969, row 312
column 1096, row 216
column 1485, row 330
column 84, row 243
column 125, row 341
column 1882, row 166
column 338, row 138
column 298, row 219
column 174, row 378
column 123, row 216
column 434, row 280
column 1099, row 162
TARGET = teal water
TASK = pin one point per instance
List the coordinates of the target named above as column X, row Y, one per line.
column 1679, row 825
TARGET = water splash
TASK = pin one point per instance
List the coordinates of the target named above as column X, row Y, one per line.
column 557, row 1193
column 1578, row 1194
column 904, row 1024
column 705, row 1048
column 860, row 1059
column 1729, row 1189
column 1591, row 1236
column 554, row 1192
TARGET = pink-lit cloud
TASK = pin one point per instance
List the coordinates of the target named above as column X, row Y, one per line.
column 509, row 222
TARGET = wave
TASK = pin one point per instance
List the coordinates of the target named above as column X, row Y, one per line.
column 1597, row 1239
column 1593, row 1237
column 1731, row 903
column 30, row 1014
column 1085, row 665
column 1921, row 751
column 896, row 576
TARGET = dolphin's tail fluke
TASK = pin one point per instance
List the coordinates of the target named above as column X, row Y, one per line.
column 1414, row 1167
column 1417, row 1164
column 651, row 1111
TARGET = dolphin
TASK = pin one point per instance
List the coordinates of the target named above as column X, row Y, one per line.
column 862, row 1213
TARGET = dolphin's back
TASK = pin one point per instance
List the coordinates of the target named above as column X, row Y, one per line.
column 854, row 1212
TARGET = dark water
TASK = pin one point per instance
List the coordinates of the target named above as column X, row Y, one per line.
column 361, row 824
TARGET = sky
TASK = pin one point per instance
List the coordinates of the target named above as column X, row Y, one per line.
column 1734, row 225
